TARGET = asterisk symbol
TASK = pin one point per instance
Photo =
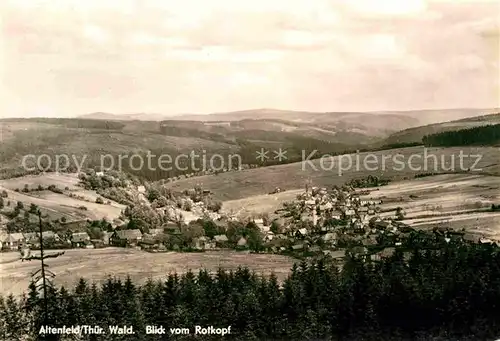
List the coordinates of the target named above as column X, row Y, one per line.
column 280, row 154
column 262, row 155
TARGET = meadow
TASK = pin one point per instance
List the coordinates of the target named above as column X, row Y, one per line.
column 58, row 205
column 98, row 264
column 325, row 173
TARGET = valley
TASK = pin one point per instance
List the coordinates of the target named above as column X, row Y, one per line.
column 219, row 213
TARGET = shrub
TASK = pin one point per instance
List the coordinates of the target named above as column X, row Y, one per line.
column 53, row 188
column 187, row 206
column 214, row 206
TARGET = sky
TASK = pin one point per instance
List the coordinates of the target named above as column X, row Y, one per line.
column 70, row 57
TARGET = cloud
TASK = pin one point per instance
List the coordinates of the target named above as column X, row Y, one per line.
column 387, row 7
column 202, row 56
column 223, row 54
column 303, row 38
column 96, row 34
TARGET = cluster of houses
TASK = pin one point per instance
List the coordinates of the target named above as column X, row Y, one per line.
column 319, row 221
column 323, row 220
column 15, row 241
column 12, row 241
column 339, row 220
column 155, row 240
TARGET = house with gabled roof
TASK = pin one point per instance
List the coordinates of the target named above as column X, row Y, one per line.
column 105, row 237
column 329, row 237
column 155, row 232
column 32, row 238
column 385, row 253
column 202, row 243
column 349, row 212
column 126, row 237
column 3, row 239
column 269, row 236
column 13, row 241
column 148, row 241
column 80, row 239
column 300, row 233
column 325, row 207
column 258, row 221
column 221, row 240
column 242, row 242
column 172, row 228
column 46, row 235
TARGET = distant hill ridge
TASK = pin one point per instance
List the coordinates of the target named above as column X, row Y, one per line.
column 419, row 117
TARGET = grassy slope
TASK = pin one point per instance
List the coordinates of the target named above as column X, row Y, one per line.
column 60, row 205
column 237, row 185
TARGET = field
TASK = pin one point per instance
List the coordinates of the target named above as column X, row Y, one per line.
column 453, row 200
column 60, row 205
column 258, row 204
column 97, row 265
column 259, row 181
column 450, row 200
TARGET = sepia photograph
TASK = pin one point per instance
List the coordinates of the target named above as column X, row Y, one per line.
column 249, row 170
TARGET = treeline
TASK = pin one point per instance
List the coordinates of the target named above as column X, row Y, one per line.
column 451, row 293
column 367, row 182
column 485, row 135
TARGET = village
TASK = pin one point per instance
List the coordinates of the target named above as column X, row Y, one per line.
column 319, row 221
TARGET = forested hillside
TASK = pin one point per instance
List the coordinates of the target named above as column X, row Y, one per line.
column 85, row 142
column 415, row 135
column 482, row 136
